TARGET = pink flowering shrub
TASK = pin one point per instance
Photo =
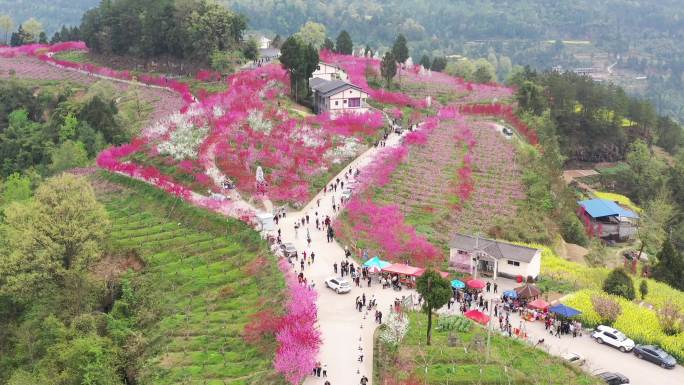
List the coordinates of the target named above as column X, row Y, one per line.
column 386, row 231
column 298, row 338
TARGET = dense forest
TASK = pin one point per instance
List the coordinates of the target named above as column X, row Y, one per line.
column 48, row 128
column 192, row 30
column 641, row 36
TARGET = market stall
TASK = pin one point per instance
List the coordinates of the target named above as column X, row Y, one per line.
column 375, row 265
column 528, row 291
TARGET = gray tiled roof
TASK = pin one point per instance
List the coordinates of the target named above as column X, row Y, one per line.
column 328, row 88
column 496, row 249
column 313, row 83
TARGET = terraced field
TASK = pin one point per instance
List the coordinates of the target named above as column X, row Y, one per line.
column 202, row 280
column 420, row 186
column 498, row 182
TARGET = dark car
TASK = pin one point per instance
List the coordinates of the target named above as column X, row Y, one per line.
column 656, row 355
column 612, row 378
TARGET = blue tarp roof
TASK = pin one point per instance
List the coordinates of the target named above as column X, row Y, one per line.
column 376, row 262
column 565, row 311
column 597, row 208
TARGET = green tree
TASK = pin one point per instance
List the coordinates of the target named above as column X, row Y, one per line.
column 344, row 44
column 68, row 155
column 6, row 25
column 388, row 68
column 33, row 28
column 300, row 60
column 62, row 229
column 439, row 64
column 618, row 282
column 226, row 62
column 400, row 49
column 669, row 267
column 15, row 189
column 647, row 173
column 436, row 292
column 656, row 214
column 68, row 129
column 425, row 62
column 462, row 69
column 484, row 71
column 312, row 33
column 531, row 97
column 251, row 49
column 329, row 45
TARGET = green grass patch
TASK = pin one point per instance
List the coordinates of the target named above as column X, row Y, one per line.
column 460, row 357
column 198, row 288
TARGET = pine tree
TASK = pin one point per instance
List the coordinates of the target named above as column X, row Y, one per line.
column 344, row 43
column 670, row 266
column 388, row 68
column 425, row 62
column 400, row 49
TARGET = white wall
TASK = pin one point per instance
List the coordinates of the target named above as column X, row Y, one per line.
column 329, row 72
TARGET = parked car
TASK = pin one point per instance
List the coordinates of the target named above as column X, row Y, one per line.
column 656, row 355
column 288, row 249
column 346, row 194
column 574, row 359
column 507, row 131
column 613, row 337
column 339, row 284
column 613, row 378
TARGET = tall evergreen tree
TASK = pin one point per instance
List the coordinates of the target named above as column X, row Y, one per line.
column 436, row 292
column 388, row 68
column 344, row 43
column 670, row 266
column 438, row 64
column 400, row 49
column 300, row 60
column 425, row 62
column 329, row 45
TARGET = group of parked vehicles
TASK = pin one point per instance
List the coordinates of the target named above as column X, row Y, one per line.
column 606, row 335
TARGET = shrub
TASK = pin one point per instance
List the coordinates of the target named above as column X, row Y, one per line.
column 606, row 308
column 573, row 231
column 619, row 283
column 643, row 288
column 449, row 323
column 670, row 319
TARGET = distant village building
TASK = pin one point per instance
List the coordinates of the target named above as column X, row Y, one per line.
column 264, row 42
column 329, row 72
column 337, row 97
column 479, row 256
column 608, row 220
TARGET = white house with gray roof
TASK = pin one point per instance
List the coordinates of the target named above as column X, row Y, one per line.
column 481, row 256
column 337, row 97
column 329, row 72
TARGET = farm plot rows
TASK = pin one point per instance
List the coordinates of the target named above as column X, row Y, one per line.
column 498, row 182
column 202, row 289
column 421, row 185
column 26, row 67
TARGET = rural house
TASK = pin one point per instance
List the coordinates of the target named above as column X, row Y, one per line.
column 329, row 72
column 608, row 220
column 481, row 256
column 337, row 97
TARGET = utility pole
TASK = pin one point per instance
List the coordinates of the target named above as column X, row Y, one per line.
column 494, row 302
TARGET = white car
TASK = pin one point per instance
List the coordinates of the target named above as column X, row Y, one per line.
column 574, row 359
column 339, row 284
column 613, row 337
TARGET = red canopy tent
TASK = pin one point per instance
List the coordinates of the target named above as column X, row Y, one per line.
column 475, row 284
column 404, row 269
column 477, row 316
column 538, row 304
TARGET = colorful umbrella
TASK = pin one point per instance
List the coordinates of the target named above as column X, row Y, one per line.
column 477, row 316
column 375, row 264
column 475, row 284
column 538, row 304
column 528, row 291
column 510, row 294
column 456, row 284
